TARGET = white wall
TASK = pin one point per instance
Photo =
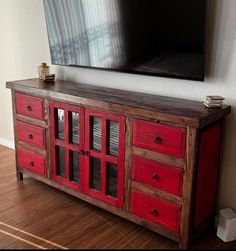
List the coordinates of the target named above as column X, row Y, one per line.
column 25, row 45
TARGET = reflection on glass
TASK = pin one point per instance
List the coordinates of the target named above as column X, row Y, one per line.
column 75, row 127
column 112, row 179
column 95, row 32
column 113, row 137
column 60, row 123
column 95, row 173
column 96, row 139
column 74, row 166
column 60, row 166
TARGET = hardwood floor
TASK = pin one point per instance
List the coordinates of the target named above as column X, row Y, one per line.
column 36, row 216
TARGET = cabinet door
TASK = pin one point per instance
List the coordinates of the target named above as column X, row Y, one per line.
column 67, row 144
column 104, row 156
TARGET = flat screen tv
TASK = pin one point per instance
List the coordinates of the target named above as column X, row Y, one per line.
column 153, row 37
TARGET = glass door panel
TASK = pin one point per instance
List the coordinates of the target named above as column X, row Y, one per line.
column 112, row 180
column 104, row 160
column 113, row 137
column 74, row 166
column 67, row 144
column 96, row 140
column 60, row 123
column 60, row 164
column 95, row 173
column 74, row 130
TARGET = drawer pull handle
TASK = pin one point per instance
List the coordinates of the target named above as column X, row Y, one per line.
column 30, row 136
column 155, row 177
column 157, row 140
column 31, row 163
column 154, row 212
column 29, row 108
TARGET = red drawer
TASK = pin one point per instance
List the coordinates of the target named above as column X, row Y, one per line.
column 31, row 134
column 32, row 161
column 158, row 211
column 161, row 138
column 29, row 106
column 158, row 175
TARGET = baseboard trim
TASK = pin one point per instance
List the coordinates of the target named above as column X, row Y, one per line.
column 7, row 143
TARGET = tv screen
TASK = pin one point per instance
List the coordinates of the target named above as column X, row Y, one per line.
column 152, row 37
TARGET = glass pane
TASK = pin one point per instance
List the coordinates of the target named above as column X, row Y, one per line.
column 75, row 127
column 95, row 173
column 60, row 123
column 60, row 165
column 113, row 137
column 74, row 166
column 96, row 139
column 112, row 179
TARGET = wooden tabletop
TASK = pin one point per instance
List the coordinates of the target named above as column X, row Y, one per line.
column 193, row 110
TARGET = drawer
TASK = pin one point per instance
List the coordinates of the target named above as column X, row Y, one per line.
column 155, row 210
column 158, row 175
column 29, row 106
column 161, row 138
column 31, row 134
column 32, row 161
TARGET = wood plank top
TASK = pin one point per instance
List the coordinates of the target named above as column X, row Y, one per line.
column 194, row 112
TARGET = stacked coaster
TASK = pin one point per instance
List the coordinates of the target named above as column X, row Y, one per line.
column 49, row 77
column 213, row 101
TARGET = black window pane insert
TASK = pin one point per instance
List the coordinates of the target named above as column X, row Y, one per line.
column 96, row 139
column 113, row 137
column 60, row 156
column 74, row 166
column 59, row 113
column 74, row 129
column 112, row 180
column 95, row 173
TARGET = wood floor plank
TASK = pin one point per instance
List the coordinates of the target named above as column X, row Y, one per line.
column 64, row 220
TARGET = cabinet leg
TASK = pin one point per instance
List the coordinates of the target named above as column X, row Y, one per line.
column 19, row 175
column 184, row 244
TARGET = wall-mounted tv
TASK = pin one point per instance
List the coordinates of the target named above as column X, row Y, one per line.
column 152, row 37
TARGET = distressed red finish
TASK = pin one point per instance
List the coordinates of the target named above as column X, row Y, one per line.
column 29, row 106
column 158, row 175
column 31, row 134
column 158, row 211
column 210, row 140
column 161, row 138
column 32, row 161
column 66, row 143
column 104, row 157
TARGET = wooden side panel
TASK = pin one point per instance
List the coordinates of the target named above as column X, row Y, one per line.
column 158, row 211
column 161, row 138
column 210, row 140
column 186, row 213
column 128, row 162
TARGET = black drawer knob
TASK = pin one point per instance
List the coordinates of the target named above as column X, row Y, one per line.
column 31, row 163
column 30, row 136
column 154, row 212
column 29, row 108
column 155, row 177
column 157, row 140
